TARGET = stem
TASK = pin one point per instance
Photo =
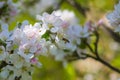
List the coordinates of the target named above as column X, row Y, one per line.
column 3, row 64
column 97, row 57
column 96, row 44
column 77, row 6
column 59, row 4
column 89, row 47
column 115, row 36
column 17, row 78
column 104, row 62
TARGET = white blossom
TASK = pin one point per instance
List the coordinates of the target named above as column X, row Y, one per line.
column 67, row 16
column 114, row 17
column 3, row 53
column 12, row 10
column 1, row 4
column 56, row 35
column 4, row 34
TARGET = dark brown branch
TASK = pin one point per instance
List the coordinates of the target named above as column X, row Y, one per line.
column 86, row 55
column 77, row 6
column 97, row 57
column 89, row 47
column 114, row 35
column 104, row 62
column 96, row 44
column 59, row 4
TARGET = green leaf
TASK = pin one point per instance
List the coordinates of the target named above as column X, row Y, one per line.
column 82, row 45
column 15, row 46
column 2, row 43
column 66, row 50
column 46, row 35
column 19, row 24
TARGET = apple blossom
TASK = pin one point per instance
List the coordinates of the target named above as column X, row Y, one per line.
column 114, row 18
column 52, row 34
column 8, row 9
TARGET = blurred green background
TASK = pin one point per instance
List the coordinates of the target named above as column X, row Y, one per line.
column 88, row 69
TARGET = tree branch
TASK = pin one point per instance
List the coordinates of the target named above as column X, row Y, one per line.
column 77, row 6
column 59, row 4
column 115, row 36
column 103, row 62
column 97, row 57
column 96, row 44
column 89, row 47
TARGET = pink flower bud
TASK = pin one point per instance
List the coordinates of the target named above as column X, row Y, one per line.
column 89, row 25
column 65, row 24
column 38, row 49
column 100, row 22
column 13, row 12
column 34, row 61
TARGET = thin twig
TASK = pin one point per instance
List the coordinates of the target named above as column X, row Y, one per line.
column 77, row 6
column 97, row 57
column 59, row 4
column 96, row 44
column 89, row 47
column 99, row 60
column 104, row 62
column 115, row 36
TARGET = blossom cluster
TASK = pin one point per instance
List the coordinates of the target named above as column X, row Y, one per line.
column 114, row 18
column 54, row 34
column 63, row 34
column 39, row 6
column 8, row 9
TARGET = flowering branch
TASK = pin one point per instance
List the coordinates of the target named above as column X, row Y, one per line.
column 96, row 56
column 57, row 34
